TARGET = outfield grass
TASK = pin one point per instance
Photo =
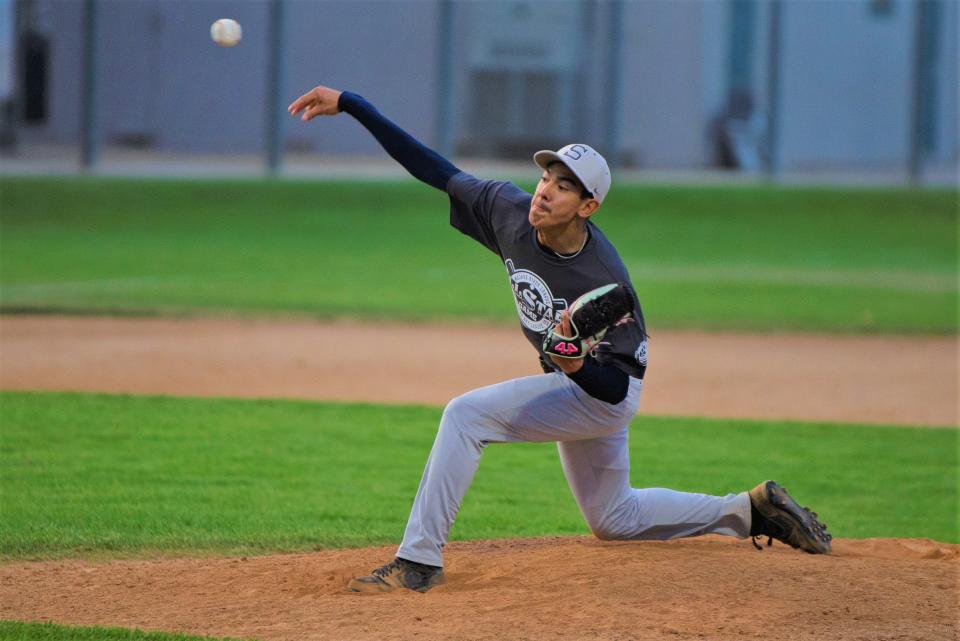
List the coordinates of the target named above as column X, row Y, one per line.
column 20, row 631
column 757, row 258
column 102, row 475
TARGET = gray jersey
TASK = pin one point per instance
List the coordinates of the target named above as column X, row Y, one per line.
column 544, row 284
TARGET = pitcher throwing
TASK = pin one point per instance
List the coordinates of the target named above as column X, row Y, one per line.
column 562, row 269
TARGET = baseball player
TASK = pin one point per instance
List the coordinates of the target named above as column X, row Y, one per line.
column 553, row 254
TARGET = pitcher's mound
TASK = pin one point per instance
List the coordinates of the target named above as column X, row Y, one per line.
column 536, row 589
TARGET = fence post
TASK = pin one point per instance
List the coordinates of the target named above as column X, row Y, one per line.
column 772, row 160
column 90, row 126
column 614, row 69
column 275, row 85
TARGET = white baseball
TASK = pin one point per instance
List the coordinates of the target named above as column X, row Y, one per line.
column 226, row 32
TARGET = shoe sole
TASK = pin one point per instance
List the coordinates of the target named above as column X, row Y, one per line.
column 802, row 527
column 364, row 587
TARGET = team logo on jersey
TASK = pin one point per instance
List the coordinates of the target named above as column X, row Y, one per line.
column 536, row 306
column 641, row 353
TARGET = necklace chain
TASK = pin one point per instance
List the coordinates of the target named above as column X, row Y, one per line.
column 586, row 237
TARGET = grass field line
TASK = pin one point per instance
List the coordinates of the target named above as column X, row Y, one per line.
column 896, row 280
column 130, row 283
column 884, row 279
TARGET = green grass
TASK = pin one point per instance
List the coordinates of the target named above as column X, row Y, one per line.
column 101, row 475
column 759, row 258
column 19, row 631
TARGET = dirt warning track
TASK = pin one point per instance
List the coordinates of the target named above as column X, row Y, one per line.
column 868, row 379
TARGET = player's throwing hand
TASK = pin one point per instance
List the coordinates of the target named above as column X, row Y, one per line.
column 319, row 101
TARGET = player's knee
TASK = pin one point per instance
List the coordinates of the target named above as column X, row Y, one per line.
column 458, row 412
column 466, row 417
column 605, row 533
column 469, row 405
column 454, row 409
column 605, row 529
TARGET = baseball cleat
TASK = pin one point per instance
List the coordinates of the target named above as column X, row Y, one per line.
column 784, row 520
column 399, row 573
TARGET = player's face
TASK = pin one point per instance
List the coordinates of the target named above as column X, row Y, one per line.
column 558, row 200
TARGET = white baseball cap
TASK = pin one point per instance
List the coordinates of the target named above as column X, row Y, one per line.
column 584, row 161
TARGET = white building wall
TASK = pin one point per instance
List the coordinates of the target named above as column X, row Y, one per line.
column 845, row 85
column 63, row 19
column 845, row 89
column 662, row 90
column 384, row 50
column 161, row 75
column 210, row 98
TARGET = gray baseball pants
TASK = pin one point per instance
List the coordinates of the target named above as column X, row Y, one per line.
column 591, row 436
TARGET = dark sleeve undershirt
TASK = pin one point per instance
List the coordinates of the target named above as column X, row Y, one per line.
column 423, row 163
column 609, row 384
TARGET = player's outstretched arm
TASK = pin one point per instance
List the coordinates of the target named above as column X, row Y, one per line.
column 422, row 162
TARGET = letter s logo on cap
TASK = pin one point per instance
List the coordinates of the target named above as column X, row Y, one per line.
column 576, row 152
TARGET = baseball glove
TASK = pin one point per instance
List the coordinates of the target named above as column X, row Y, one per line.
column 591, row 316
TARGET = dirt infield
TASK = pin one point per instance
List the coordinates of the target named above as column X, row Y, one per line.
column 568, row 588
column 869, row 379
column 536, row 589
